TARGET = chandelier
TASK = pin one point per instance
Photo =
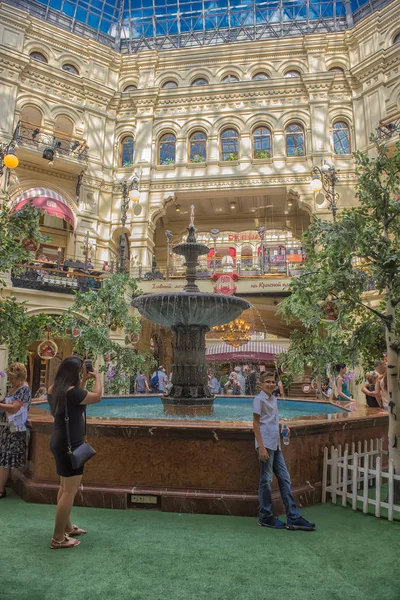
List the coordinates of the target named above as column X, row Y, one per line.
column 236, row 333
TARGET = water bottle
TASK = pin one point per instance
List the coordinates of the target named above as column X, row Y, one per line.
column 285, row 435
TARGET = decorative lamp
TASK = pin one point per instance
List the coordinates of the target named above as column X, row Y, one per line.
column 134, row 195
column 316, row 184
column 10, row 160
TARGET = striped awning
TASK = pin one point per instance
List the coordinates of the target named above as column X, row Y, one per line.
column 252, row 351
column 48, row 200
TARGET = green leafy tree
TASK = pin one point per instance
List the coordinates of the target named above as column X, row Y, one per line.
column 19, row 234
column 338, row 314
column 101, row 311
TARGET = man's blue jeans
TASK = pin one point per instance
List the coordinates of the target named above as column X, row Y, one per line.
column 275, row 464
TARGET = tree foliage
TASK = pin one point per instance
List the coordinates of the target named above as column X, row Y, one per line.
column 100, row 311
column 345, row 301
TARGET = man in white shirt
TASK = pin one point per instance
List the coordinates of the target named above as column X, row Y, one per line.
column 267, row 438
column 162, row 379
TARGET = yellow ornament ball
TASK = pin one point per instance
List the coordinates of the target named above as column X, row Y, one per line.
column 11, row 161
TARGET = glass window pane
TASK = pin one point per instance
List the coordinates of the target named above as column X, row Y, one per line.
column 127, row 152
column 341, row 138
column 200, row 81
column 261, row 76
column 198, row 147
column 229, row 145
column 295, row 140
column 262, row 143
column 167, row 149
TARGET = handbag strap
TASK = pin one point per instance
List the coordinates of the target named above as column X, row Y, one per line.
column 67, row 424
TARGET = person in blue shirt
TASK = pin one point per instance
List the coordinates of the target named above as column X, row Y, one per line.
column 271, row 460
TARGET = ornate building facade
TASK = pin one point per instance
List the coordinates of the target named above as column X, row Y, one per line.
column 233, row 129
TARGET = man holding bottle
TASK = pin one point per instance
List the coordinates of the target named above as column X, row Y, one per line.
column 267, row 438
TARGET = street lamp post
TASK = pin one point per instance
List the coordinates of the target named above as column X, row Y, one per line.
column 214, row 234
column 326, row 178
column 261, row 233
column 8, row 156
column 130, row 193
column 169, row 236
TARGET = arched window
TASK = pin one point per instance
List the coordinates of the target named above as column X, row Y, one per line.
column 70, row 69
column 64, row 124
column 262, row 76
column 169, row 85
column 127, row 151
column 200, row 81
column 230, row 79
column 292, row 73
column 31, row 114
column 337, row 70
column 167, row 149
column 396, row 38
column 341, row 138
column 38, row 56
column 198, row 147
column 63, row 131
column 130, row 88
column 229, row 144
column 262, row 142
column 295, row 145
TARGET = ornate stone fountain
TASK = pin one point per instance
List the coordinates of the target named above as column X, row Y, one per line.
column 190, row 314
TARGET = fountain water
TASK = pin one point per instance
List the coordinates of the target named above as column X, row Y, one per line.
column 190, row 314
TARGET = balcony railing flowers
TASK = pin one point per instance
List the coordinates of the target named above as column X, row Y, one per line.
column 42, row 139
column 197, row 158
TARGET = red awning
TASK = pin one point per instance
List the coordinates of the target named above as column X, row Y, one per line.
column 44, row 199
column 252, row 352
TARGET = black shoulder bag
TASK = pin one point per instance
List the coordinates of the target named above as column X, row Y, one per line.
column 84, row 452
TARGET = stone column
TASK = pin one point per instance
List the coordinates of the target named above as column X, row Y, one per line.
column 190, row 393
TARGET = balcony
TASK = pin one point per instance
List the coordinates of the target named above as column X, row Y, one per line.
column 39, row 143
column 389, row 128
column 51, row 277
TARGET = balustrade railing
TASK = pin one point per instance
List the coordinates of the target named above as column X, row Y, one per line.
column 40, row 138
column 53, row 277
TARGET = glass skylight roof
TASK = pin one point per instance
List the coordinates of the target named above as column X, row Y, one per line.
column 133, row 25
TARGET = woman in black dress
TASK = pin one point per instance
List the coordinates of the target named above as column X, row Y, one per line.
column 68, row 388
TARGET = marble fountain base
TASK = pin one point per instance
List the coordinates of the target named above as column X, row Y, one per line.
column 198, row 467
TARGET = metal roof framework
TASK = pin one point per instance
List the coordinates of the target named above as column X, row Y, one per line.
column 130, row 26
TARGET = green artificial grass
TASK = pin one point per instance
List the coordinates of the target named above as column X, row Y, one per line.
column 149, row 555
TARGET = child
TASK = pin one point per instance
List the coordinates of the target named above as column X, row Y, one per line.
column 266, row 431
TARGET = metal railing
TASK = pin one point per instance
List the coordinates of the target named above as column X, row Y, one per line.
column 53, row 278
column 388, row 127
column 205, row 270
column 40, row 138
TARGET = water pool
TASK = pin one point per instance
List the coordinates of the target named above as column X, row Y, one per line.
column 225, row 409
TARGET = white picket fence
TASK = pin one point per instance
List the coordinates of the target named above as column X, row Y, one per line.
column 349, row 475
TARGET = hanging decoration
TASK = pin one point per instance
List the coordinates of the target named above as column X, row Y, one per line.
column 76, row 332
column 48, row 348
column 236, row 333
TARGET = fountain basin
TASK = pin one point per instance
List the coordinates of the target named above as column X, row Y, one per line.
column 190, row 308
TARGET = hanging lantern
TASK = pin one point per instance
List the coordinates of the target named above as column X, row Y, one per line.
column 30, row 245
column 329, row 311
column 76, row 332
column 48, row 348
column 10, row 160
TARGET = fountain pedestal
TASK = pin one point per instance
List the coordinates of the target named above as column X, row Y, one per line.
column 190, row 394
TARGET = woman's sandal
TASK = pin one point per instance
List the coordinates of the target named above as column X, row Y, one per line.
column 67, row 542
column 76, row 531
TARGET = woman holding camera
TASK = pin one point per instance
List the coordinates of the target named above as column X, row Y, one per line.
column 68, row 392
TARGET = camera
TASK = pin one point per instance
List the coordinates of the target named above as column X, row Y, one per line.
column 89, row 366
